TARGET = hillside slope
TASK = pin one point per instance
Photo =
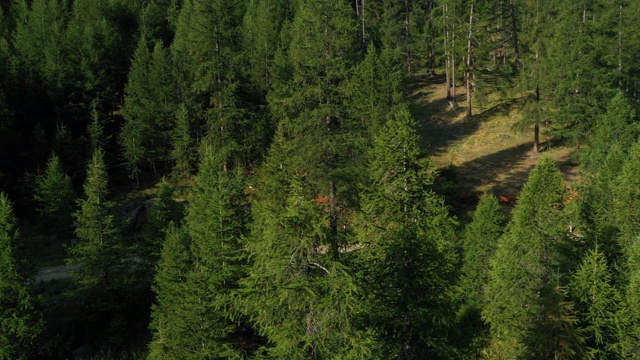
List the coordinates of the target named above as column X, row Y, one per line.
column 485, row 153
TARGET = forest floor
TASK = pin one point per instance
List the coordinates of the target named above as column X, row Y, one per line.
column 485, row 153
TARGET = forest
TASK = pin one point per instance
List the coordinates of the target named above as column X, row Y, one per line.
column 252, row 179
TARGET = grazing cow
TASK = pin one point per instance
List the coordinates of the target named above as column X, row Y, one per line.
column 507, row 199
column 322, row 200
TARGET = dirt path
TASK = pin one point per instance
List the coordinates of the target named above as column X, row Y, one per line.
column 56, row 273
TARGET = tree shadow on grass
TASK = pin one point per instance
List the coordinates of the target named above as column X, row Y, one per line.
column 440, row 124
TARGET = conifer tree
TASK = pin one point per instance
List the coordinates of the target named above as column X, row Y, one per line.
column 521, row 278
column 310, row 101
column 163, row 212
column 629, row 316
column 170, row 323
column 97, row 251
column 480, row 242
column 207, row 306
column 261, row 28
column 578, row 76
column 627, row 198
column 408, row 238
column 182, row 144
column 18, row 323
column 598, row 304
column 298, row 294
column 375, row 88
column 55, row 194
column 205, row 53
column 149, row 109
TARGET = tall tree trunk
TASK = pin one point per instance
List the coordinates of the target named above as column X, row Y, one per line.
column 514, row 32
column 536, row 126
column 407, row 37
column 333, row 217
column 467, row 73
column 447, row 59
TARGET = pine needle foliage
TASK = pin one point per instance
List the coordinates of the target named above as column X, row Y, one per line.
column 408, row 251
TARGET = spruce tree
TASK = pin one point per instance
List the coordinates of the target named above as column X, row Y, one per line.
column 320, row 137
column 18, row 323
column 598, row 304
column 149, row 109
column 522, row 281
column 182, row 152
column 208, row 309
column 55, row 194
column 170, row 321
column 629, row 316
column 408, row 248
column 97, row 251
column 164, row 211
column 480, row 242
column 627, row 198
column 301, row 298
column 205, row 52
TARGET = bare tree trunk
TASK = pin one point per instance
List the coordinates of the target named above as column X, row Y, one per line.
column 333, row 217
column 407, row 37
column 447, row 59
column 514, row 32
column 467, row 73
column 536, row 126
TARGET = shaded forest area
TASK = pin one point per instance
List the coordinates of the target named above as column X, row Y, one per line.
column 246, row 179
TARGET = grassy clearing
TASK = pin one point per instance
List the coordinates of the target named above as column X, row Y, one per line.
column 486, row 153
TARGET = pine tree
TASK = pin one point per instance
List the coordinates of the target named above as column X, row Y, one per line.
column 375, row 88
column 162, row 213
column 529, row 254
column 207, row 306
column 627, row 198
column 321, row 139
column 149, row 109
column 533, row 81
column 205, row 53
column 55, row 194
column 578, row 76
column 408, row 239
column 480, row 242
column 299, row 296
column 629, row 318
column 97, row 251
column 598, row 304
column 137, row 111
column 170, row 323
column 182, row 144
column 18, row 322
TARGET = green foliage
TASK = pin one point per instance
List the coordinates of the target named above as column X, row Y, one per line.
column 617, row 126
column 164, row 211
column 629, row 316
column 182, row 145
column 97, row 251
column 598, row 304
column 300, row 297
column 207, row 308
column 55, row 195
column 170, row 323
column 523, row 266
column 18, row 323
column 149, row 109
column 627, row 197
column 404, row 227
column 375, row 88
column 480, row 242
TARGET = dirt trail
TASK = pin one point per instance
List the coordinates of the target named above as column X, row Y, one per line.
column 56, row 273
